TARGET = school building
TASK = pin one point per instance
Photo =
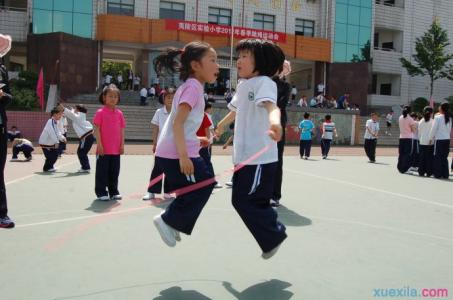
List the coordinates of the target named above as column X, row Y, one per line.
column 71, row 38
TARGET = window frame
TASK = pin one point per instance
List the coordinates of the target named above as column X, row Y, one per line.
column 263, row 21
column 304, row 27
column 123, row 11
column 219, row 14
column 173, row 8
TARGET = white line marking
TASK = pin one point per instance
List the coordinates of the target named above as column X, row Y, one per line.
column 31, row 175
column 371, row 189
column 101, row 215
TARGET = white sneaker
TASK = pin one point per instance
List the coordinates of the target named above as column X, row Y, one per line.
column 269, row 254
column 103, row 198
column 218, row 186
column 14, row 159
column 229, row 183
column 166, row 232
column 168, row 197
column 177, row 235
column 52, row 170
column 83, row 171
column 117, row 197
column 148, row 196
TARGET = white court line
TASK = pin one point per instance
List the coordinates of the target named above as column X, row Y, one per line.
column 231, row 211
column 101, row 215
column 365, row 187
column 31, row 175
column 48, row 213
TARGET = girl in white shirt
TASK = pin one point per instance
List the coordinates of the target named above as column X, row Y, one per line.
column 50, row 139
column 257, row 128
column 426, row 154
column 157, row 123
column 440, row 136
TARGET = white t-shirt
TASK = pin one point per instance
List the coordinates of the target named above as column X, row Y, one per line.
column 252, row 121
column 152, row 91
column 143, row 92
column 320, row 88
column 373, row 127
column 440, row 130
column 293, row 91
column 63, row 125
column 424, row 129
column 108, row 79
column 160, row 116
column 327, row 132
column 389, row 118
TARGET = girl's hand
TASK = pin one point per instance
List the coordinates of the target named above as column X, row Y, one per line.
column 218, row 132
column 154, row 148
column 100, row 149
column 275, row 132
column 186, row 166
column 204, row 142
column 122, row 149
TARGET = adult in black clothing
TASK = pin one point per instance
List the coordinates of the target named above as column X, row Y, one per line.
column 5, row 98
column 283, row 91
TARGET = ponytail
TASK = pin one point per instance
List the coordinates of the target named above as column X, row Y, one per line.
column 406, row 111
column 166, row 62
column 427, row 111
column 446, row 110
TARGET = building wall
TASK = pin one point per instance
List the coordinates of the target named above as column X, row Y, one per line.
column 30, row 123
column 69, row 61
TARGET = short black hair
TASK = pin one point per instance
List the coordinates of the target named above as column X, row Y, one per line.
column 328, row 117
column 207, row 106
column 306, row 115
column 55, row 111
column 269, row 57
column 81, row 108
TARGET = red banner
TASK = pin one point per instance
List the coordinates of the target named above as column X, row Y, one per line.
column 222, row 30
column 40, row 89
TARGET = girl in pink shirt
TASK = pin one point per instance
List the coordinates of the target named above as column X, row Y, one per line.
column 406, row 145
column 177, row 152
column 109, row 127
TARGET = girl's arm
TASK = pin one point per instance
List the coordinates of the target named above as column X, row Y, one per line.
column 97, row 135
column 224, row 122
column 155, row 129
column 274, row 120
column 185, row 164
column 228, row 142
column 122, row 141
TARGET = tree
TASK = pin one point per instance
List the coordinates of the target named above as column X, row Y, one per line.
column 431, row 57
column 366, row 54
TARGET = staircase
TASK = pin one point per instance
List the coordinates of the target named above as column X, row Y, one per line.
column 383, row 139
column 138, row 120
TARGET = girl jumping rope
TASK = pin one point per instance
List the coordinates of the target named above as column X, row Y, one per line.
column 257, row 129
column 177, row 151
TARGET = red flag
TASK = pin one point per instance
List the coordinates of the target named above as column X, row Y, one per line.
column 40, row 89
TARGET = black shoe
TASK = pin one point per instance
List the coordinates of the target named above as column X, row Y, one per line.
column 6, row 222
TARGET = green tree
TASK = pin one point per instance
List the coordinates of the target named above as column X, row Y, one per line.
column 366, row 54
column 431, row 56
column 419, row 104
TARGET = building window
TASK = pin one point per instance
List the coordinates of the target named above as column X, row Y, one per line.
column 264, row 22
column 219, row 16
column 305, row 27
column 120, row 7
column 172, row 10
column 69, row 16
column 352, row 29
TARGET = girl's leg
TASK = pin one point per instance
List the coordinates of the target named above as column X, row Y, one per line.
column 327, row 145
column 114, row 173
column 323, row 148
column 102, row 173
column 156, row 188
column 252, row 189
column 183, row 212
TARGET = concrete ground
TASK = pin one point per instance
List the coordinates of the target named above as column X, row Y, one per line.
column 355, row 231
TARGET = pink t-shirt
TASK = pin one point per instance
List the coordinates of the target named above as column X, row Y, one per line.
column 405, row 127
column 110, row 123
column 190, row 92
